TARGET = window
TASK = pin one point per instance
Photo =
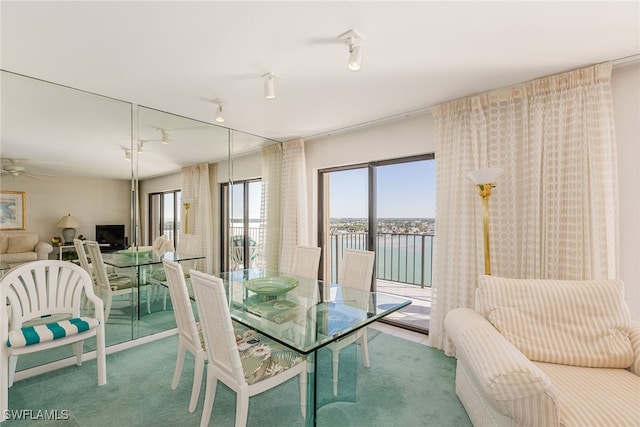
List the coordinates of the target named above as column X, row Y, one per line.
column 164, row 215
column 241, row 203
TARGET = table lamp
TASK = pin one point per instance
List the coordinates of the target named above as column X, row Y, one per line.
column 68, row 224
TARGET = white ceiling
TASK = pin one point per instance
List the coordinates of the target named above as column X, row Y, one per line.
column 178, row 56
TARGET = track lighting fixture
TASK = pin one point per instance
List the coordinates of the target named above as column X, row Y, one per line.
column 219, row 115
column 165, row 136
column 127, row 154
column 269, row 85
column 352, row 39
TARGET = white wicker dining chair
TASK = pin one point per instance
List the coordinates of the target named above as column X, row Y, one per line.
column 45, row 298
column 306, row 260
column 236, row 354
column 110, row 286
column 356, row 271
column 189, row 334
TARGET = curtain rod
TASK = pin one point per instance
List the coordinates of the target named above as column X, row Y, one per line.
column 626, row 60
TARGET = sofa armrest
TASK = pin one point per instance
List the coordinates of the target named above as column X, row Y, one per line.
column 634, row 336
column 43, row 249
column 514, row 385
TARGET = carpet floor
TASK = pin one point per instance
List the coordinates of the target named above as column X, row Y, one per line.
column 408, row 384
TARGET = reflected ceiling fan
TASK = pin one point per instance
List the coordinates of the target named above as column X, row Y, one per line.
column 11, row 167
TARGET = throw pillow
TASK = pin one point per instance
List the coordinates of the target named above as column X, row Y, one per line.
column 580, row 323
column 22, row 243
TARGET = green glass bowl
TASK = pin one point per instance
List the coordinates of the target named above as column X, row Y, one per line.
column 270, row 286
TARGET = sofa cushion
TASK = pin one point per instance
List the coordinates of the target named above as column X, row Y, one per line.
column 579, row 323
column 22, row 243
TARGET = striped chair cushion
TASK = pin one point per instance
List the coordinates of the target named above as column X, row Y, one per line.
column 579, row 323
column 30, row 335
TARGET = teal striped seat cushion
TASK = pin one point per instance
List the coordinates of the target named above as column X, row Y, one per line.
column 30, row 335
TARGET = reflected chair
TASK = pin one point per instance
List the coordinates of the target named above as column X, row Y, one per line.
column 109, row 286
column 45, row 299
column 306, row 260
column 189, row 244
column 356, row 271
column 246, row 372
column 189, row 334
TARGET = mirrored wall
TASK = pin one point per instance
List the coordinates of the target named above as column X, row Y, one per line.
column 98, row 159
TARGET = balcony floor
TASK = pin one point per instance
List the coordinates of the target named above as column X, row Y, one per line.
column 417, row 314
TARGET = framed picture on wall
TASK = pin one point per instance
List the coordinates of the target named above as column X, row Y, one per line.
column 13, row 210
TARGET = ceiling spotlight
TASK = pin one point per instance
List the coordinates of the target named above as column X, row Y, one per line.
column 269, row 85
column 352, row 39
column 219, row 115
column 165, row 136
column 127, row 154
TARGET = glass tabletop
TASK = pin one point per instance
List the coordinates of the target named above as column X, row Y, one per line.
column 131, row 258
column 302, row 313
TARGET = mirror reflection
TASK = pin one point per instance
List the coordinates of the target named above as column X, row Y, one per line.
column 120, row 171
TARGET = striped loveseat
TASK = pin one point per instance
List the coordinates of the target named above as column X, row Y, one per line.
column 547, row 353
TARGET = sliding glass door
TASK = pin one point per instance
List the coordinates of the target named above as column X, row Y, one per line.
column 387, row 207
column 241, row 228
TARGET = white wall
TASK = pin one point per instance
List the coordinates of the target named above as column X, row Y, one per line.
column 626, row 107
column 416, row 136
column 92, row 201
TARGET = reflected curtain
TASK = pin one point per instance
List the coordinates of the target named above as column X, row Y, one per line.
column 195, row 187
column 554, row 211
column 284, row 203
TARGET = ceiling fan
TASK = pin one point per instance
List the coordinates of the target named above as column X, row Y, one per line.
column 14, row 169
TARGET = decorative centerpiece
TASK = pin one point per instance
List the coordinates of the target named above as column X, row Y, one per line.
column 270, row 287
column 141, row 252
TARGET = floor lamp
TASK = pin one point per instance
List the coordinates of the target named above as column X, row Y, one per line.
column 186, row 202
column 485, row 179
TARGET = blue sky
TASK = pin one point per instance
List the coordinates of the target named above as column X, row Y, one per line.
column 405, row 190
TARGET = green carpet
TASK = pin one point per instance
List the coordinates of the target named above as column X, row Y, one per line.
column 407, row 385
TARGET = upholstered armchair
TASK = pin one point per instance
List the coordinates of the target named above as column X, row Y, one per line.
column 547, row 353
column 18, row 248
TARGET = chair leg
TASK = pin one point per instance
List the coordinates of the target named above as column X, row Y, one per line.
column 4, row 387
column 13, row 361
column 177, row 373
column 209, row 396
column 101, row 358
column 365, row 347
column 303, row 392
column 336, row 361
column 77, row 350
column 198, row 371
column 107, row 306
column 242, row 407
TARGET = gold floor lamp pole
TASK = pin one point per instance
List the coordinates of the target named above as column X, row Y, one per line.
column 186, row 202
column 484, row 179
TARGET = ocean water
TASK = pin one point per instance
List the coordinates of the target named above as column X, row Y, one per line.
column 405, row 258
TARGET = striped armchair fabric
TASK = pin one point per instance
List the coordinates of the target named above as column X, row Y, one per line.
column 547, row 353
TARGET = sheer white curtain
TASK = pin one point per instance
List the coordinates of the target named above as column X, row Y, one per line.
column 270, row 206
column 284, row 203
column 196, row 188
column 553, row 213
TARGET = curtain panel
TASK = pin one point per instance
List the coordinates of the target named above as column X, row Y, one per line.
column 554, row 211
column 284, row 203
column 196, row 187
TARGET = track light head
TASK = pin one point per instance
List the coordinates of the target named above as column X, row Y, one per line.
column 269, row 85
column 165, row 136
column 219, row 115
column 352, row 39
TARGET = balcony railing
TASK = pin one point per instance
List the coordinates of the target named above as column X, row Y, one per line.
column 403, row 258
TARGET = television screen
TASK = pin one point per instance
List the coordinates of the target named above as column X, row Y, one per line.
column 112, row 235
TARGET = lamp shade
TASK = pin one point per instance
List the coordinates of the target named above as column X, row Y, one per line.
column 68, row 221
column 485, row 176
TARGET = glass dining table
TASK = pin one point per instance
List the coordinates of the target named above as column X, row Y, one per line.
column 305, row 315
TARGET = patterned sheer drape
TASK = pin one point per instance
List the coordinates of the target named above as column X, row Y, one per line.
column 284, row 203
column 553, row 213
column 270, row 207
column 195, row 187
